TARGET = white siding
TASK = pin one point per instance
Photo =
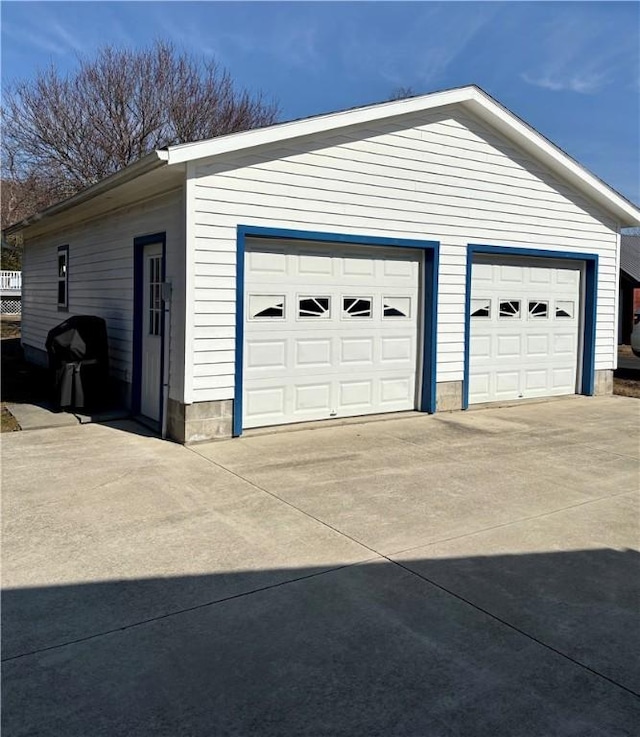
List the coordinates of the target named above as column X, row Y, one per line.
column 101, row 279
column 439, row 176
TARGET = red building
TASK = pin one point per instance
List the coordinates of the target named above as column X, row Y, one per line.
column 629, row 285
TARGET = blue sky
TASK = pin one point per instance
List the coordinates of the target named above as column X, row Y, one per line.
column 571, row 70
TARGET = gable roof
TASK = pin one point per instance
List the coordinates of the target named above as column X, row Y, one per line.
column 471, row 98
column 630, row 256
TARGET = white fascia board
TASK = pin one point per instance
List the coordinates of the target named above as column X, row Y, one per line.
column 548, row 153
column 319, row 124
column 146, row 164
column 473, row 98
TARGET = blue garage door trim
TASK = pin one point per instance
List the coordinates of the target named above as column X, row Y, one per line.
column 591, row 289
column 429, row 286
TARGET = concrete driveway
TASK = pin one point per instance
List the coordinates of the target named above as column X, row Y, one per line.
column 465, row 574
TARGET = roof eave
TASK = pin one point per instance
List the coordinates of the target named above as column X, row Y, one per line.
column 148, row 163
column 624, row 210
column 184, row 152
column 472, row 97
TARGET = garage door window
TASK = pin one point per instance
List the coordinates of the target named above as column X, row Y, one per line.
column 357, row 307
column 314, row 306
column 564, row 309
column 538, row 309
column 396, row 307
column 480, row 308
column 266, row 306
column 510, row 308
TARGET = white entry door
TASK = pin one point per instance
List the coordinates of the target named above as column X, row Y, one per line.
column 330, row 331
column 150, row 385
column 524, row 332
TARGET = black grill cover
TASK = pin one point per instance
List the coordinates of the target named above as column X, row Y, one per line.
column 79, row 361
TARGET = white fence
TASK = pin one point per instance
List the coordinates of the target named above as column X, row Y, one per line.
column 11, row 280
column 10, row 292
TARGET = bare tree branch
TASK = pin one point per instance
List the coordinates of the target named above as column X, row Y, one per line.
column 63, row 133
column 401, row 93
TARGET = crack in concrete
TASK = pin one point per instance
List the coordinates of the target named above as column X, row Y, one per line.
column 425, row 579
column 377, row 555
column 542, row 515
column 176, row 612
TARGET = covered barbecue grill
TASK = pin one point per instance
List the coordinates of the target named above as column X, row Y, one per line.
column 79, row 362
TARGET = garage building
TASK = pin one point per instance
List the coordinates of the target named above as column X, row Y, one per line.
column 424, row 254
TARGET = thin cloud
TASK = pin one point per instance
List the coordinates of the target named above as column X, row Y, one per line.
column 118, row 34
column 68, row 39
column 582, row 84
column 40, row 42
column 294, row 43
column 189, row 36
column 300, row 46
column 57, row 41
column 455, row 31
column 423, row 54
column 580, row 56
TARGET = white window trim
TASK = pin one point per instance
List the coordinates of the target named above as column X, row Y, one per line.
column 64, row 251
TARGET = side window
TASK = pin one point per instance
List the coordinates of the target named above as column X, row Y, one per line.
column 63, row 276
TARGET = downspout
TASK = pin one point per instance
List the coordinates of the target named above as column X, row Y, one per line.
column 166, row 287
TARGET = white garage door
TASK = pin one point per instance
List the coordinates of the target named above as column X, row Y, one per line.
column 329, row 332
column 525, row 318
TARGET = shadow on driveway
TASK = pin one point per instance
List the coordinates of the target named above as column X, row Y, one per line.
column 22, row 381
column 29, row 391
column 535, row 644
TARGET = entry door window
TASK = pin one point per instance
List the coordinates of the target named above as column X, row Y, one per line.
column 155, row 295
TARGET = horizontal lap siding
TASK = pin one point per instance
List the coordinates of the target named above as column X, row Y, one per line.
column 101, row 277
column 439, row 178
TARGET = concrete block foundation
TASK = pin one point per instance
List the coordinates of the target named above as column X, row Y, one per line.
column 195, row 423
column 603, row 382
column 448, row 396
